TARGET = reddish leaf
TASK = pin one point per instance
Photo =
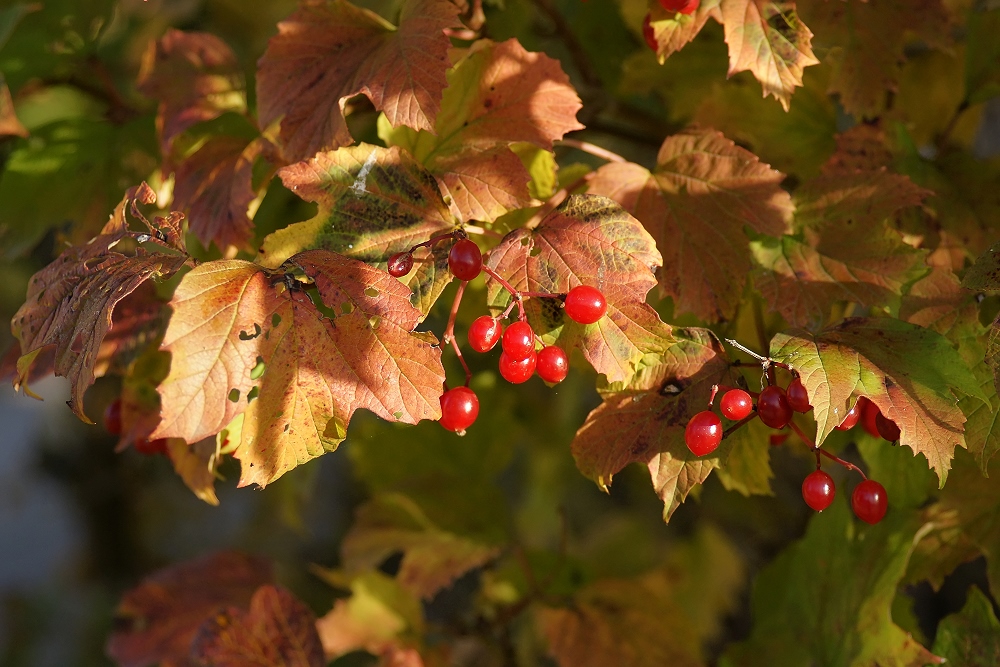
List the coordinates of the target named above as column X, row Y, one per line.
column 195, row 76
column 695, row 204
column 912, row 374
column 861, row 148
column 279, row 630
column 644, row 421
column 329, row 50
column 587, row 241
column 70, row 302
column 497, row 94
column 768, row 38
column 214, row 187
column 137, row 322
column 673, row 30
column 156, row 621
column 373, row 202
column 247, row 340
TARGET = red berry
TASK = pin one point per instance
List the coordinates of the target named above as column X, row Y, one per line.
column 886, row 428
column 517, row 371
column 703, row 433
column 682, row 6
column 400, row 264
column 459, row 409
column 151, row 447
column 773, row 408
column 736, row 404
column 465, row 260
column 649, row 34
column 869, row 413
column 553, row 364
column 798, row 398
column 818, row 490
column 777, row 439
column 484, row 333
column 869, row 501
column 585, row 304
column 852, row 416
column 113, row 417
column 519, row 340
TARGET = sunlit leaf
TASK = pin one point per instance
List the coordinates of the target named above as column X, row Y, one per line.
column 673, row 31
column 195, row 465
column 329, row 50
column 695, row 203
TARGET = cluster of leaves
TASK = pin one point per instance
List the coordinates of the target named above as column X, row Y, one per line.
column 860, row 259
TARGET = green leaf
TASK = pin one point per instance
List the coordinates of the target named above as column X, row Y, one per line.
column 747, row 469
column 826, row 599
column 971, row 636
column 984, row 275
column 982, row 55
column 908, row 482
column 912, row 374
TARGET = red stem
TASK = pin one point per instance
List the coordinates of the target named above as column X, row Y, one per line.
column 449, row 332
column 820, row 451
column 515, row 294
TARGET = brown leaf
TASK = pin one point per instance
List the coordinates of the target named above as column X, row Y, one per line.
column 673, row 30
column 156, row 621
column 588, row 240
column 214, row 187
column 71, row 301
column 278, row 631
column 195, row 465
column 329, row 50
column 644, row 421
column 247, row 340
column 768, row 38
column 861, row 148
column 10, row 126
column 195, row 77
column 137, row 322
column 695, row 204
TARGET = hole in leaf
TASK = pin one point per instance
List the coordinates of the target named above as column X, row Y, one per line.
column 397, row 415
column 372, row 292
column 347, row 307
column 535, row 251
column 275, row 320
column 287, row 426
column 252, row 394
column 234, row 395
column 525, row 241
column 257, row 370
column 374, row 321
column 250, row 336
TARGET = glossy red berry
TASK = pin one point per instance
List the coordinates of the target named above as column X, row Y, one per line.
column 680, row 6
column 553, row 364
column 459, row 409
column 886, row 428
column 465, row 260
column 773, row 408
column 869, row 501
column 519, row 340
column 852, row 416
column 113, row 417
column 736, row 404
column 517, row 371
column 585, row 304
column 400, row 264
column 703, row 433
column 649, row 34
column 818, row 490
column 798, row 398
column 484, row 333
column 869, row 413
column 150, row 447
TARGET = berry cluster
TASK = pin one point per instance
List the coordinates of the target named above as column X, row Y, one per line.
column 775, row 406
column 519, row 358
column 113, row 425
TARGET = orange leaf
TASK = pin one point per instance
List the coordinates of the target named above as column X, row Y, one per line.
column 673, row 30
column 330, row 50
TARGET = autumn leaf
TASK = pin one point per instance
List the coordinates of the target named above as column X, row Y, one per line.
column 695, row 203
column 984, row 274
column 972, row 635
column 246, row 340
column 433, row 558
column 137, row 323
column 865, row 57
column 70, row 303
column 644, row 421
column 156, row 621
column 768, row 38
column 278, row 629
column 588, row 240
column 372, row 202
column 497, row 94
column 912, row 374
column 329, row 50
column 214, row 187
column 195, row 465
column 10, row 126
column 794, row 604
column 861, row 148
column 673, row 30
column 842, row 251
column 195, row 77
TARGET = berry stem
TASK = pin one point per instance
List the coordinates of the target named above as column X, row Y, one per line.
column 515, row 294
column 482, row 231
column 449, row 332
column 820, row 451
column 596, row 151
column 739, row 424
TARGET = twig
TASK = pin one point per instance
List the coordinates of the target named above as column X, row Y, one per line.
column 593, row 149
column 820, row 451
column 449, row 332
